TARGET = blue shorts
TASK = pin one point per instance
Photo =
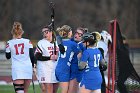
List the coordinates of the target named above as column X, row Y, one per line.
column 91, row 84
column 73, row 71
column 79, row 76
column 62, row 77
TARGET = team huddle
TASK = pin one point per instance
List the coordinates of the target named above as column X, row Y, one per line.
column 75, row 64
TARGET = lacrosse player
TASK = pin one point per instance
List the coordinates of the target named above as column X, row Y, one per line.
column 20, row 50
column 64, row 60
column 103, row 47
column 90, row 60
column 75, row 74
column 47, row 61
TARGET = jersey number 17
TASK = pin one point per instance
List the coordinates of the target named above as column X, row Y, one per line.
column 19, row 48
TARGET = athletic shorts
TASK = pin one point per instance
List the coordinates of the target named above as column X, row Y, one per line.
column 21, row 74
column 91, row 84
column 62, row 77
column 73, row 71
column 46, row 72
column 79, row 76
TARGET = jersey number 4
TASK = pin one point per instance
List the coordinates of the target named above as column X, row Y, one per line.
column 19, row 48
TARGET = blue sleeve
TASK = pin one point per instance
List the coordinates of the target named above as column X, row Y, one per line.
column 75, row 47
column 85, row 56
column 82, row 47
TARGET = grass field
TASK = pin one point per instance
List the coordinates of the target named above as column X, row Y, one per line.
column 10, row 89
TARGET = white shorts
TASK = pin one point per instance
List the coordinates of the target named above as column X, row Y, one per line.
column 46, row 71
column 21, row 74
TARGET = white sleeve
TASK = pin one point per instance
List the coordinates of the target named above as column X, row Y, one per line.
column 39, row 47
column 7, row 47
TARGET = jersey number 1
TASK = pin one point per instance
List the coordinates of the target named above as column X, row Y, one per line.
column 19, row 46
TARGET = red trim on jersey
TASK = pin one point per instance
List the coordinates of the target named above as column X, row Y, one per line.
column 7, row 45
column 37, row 50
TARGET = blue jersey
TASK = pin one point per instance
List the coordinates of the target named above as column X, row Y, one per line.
column 92, row 56
column 64, row 60
column 74, row 64
column 91, row 77
column 82, row 48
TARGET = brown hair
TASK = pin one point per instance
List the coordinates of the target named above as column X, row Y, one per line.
column 17, row 29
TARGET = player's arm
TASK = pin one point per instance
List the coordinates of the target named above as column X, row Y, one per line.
column 102, row 52
column 39, row 57
column 60, row 45
column 82, row 62
column 103, row 65
column 102, row 62
column 82, row 65
column 8, row 55
column 31, row 54
column 8, row 52
column 61, row 48
column 59, row 41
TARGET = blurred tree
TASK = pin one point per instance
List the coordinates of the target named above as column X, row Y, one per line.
column 93, row 14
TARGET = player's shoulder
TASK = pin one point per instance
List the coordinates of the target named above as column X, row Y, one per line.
column 25, row 39
column 73, row 42
column 40, row 41
column 86, row 52
column 43, row 41
column 9, row 41
column 96, row 49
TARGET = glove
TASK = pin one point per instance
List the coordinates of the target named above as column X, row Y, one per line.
column 103, row 67
column 61, row 48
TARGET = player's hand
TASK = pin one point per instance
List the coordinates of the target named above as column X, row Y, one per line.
column 54, row 57
column 103, row 67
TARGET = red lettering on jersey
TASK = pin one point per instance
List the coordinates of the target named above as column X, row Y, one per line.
column 17, row 47
column 52, row 48
column 7, row 45
column 49, row 48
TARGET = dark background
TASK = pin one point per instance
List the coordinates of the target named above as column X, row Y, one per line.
column 93, row 14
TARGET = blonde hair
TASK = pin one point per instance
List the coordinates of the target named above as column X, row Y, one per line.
column 63, row 31
column 17, row 29
column 97, row 36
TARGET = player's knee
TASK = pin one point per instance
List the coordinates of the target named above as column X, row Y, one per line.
column 19, row 88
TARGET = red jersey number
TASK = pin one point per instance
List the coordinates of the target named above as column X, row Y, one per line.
column 19, row 46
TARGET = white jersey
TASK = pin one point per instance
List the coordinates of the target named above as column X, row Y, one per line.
column 104, row 46
column 21, row 62
column 46, row 69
